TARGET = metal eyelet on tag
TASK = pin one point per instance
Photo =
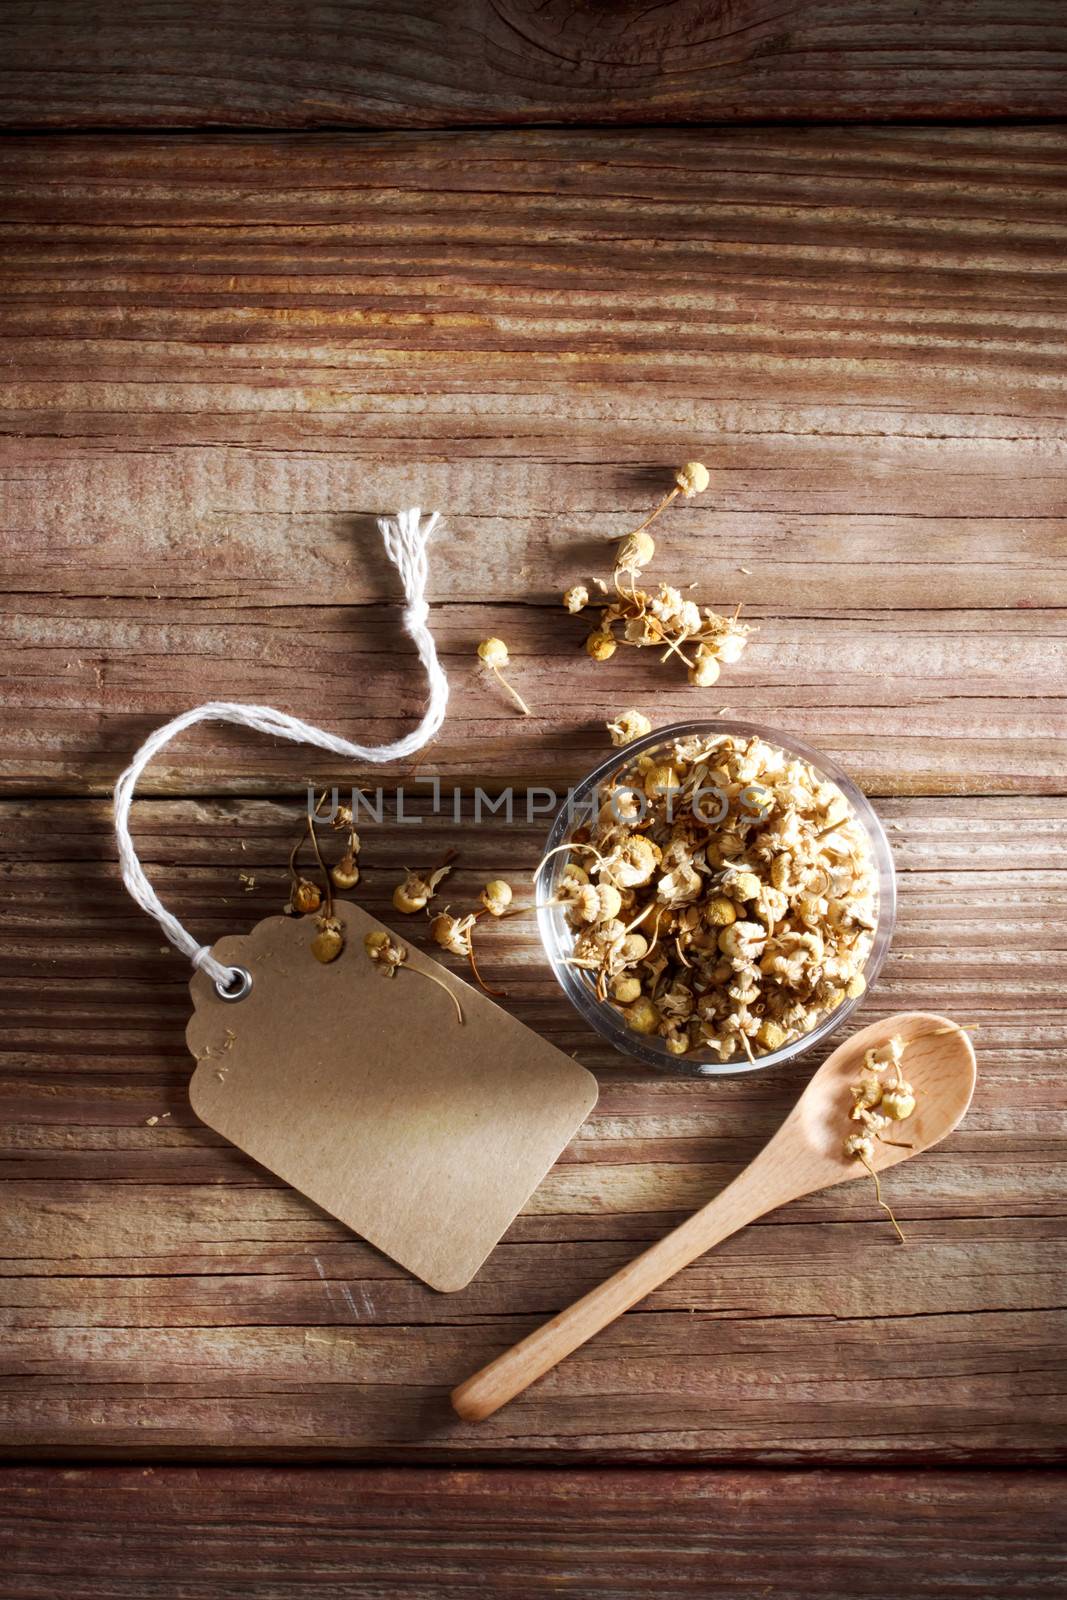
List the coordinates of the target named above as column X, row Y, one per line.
column 239, row 986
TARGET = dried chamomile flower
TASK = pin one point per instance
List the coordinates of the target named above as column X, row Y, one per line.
column 306, row 896
column 391, row 956
column 641, row 1016
column 328, row 943
column 730, row 638
column 576, row 598
column 494, row 655
column 741, row 885
column 342, row 822
column 597, row 904
column 628, row 726
column 625, row 989
column 705, row 669
column 601, row 645
column 898, row 1102
column 452, row 933
column 415, row 893
column 887, row 1055
column 873, row 1121
column 692, row 478
column 345, row 873
column 635, row 552
column 496, row 897
column 701, row 639
column 744, row 941
column 412, row 895
column 868, row 1091
column 571, row 880
column 633, row 861
column 456, row 935
column 385, row 950
column 661, row 778
column 720, row 912
column 771, row 1034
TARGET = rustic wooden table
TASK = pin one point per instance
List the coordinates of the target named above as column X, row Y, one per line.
column 225, row 351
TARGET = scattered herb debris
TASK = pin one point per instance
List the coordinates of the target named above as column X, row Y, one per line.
column 664, row 619
column 389, row 954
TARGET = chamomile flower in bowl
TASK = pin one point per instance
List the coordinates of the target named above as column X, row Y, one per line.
column 716, row 897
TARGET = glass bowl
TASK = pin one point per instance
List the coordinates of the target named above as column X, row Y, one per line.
column 558, row 937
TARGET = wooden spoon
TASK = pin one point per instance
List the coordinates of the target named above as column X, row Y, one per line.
column 806, row 1154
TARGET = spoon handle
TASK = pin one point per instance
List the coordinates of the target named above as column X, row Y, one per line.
column 741, row 1202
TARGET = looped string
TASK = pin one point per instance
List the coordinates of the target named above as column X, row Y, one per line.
column 405, row 537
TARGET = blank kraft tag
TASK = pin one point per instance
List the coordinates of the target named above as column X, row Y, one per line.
column 365, row 1092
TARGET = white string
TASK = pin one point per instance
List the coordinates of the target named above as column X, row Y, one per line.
column 405, row 537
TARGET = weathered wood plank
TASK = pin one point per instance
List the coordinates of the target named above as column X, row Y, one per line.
column 431, row 64
column 126, row 1534
column 160, row 1292
column 928, row 701
column 224, row 356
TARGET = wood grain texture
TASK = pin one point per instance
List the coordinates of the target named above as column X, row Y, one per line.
column 126, row 1534
column 181, row 63
column 160, row 1293
column 223, row 356
column 908, row 700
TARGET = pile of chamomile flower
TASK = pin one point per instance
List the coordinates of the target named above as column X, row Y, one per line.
column 723, row 899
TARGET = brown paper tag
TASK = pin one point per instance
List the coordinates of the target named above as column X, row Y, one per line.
column 365, row 1092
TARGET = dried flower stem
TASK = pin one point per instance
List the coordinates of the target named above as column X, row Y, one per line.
column 514, row 693
column 878, row 1195
column 555, row 852
column 497, row 994
column 294, row 852
column 441, row 985
column 322, row 865
column 939, row 1033
column 674, row 648
column 672, row 494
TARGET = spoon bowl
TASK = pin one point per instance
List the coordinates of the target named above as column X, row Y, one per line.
column 805, row 1155
column 938, row 1063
